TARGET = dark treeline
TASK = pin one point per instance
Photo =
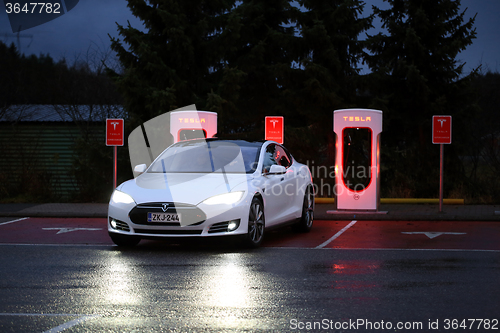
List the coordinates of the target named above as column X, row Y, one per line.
column 302, row 60
column 80, row 91
column 41, row 80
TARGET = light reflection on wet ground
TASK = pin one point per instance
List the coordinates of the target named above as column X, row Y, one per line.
column 165, row 287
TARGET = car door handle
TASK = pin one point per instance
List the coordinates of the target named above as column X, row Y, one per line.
column 282, row 179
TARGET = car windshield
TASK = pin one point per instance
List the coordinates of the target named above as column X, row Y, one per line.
column 200, row 156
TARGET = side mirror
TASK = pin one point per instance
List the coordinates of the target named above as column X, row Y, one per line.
column 276, row 170
column 138, row 169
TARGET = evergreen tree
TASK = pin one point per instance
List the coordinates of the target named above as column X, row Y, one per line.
column 327, row 75
column 171, row 64
column 483, row 140
column 330, row 52
column 9, row 78
column 258, row 40
column 415, row 74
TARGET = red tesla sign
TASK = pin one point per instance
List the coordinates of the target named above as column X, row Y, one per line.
column 275, row 129
column 114, row 132
column 441, row 129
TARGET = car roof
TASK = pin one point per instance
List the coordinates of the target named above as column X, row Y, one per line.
column 241, row 143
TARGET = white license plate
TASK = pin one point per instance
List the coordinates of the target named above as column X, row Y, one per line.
column 164, row 217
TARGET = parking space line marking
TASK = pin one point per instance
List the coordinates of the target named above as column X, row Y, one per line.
column 379, row 249
column 399, row 249
column 24, row 218
column 81, row 318
column 42, row 314
column 64, row 230
column 433, row 234
column 336, row 235
column 69, row 324
column 74, row 244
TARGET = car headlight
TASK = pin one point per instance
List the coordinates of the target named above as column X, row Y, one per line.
column 226, row 198
column 122, row 198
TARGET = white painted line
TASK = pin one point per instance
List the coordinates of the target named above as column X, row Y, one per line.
column 69, row 324
column 356, row 212
column 81, row 318
column 336, row 235
column 67, row 245
column 24, row 218
column 64, row 230
column 433, row 234
column 264, row 247
column 439, row 250
column 379, row 249
column 42, row 314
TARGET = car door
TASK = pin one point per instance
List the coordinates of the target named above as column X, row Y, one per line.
column 278, row 190
column 288, row 184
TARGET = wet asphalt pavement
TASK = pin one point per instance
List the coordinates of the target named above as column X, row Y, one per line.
column 216, row 288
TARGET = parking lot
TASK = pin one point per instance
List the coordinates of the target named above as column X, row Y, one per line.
column 340, row 234
column 64, row 274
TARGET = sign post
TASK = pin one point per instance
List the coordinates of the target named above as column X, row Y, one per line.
column 275, row 129
column 441, row 134
column 114, row 137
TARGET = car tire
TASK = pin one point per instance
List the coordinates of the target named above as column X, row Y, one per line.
column 305, row 222
column 124, row 240
column 256, row 224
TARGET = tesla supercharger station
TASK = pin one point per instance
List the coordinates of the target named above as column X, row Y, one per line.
column 357, row 159
column 188, row 125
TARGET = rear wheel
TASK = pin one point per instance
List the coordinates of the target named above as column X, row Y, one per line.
column 256, row 224
column 306, row 220
column 124, row 240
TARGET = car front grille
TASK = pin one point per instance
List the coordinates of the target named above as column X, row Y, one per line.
column 190, row 214
column 168, row 232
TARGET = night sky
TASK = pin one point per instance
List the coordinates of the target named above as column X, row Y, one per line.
column 85, row 29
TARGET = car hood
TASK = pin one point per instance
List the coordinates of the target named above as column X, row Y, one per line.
column 190, row 188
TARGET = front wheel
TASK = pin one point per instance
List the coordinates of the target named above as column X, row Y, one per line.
column 124, row 240
column 256, row 224
column 306, row 220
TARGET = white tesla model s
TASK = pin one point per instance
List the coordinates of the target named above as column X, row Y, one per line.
column 213, row 187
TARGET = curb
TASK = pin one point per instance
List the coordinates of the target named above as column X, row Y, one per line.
column 401, row 201
column 394, row 212
column 54, row 214
column 318, row 216
column 404, row 217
